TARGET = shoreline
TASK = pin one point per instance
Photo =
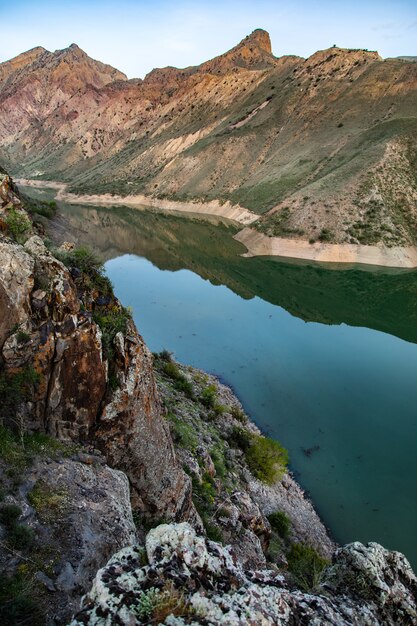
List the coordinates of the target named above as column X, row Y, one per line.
column 230, row 211
column 259, row 244
column 256, row 243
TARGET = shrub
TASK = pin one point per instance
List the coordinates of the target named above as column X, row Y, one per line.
column 204, row 493
column 19, row 537
column 22, row 337
column 89, row 264
column 41, row 207
column 306, row 566
column 165, row 355
column 266, row 459
column 9, row 514
column 16, row 388
column 218, row 458
column 47, row 501
column 171, row 370
column 213, row 532
column 240, row 438
column 155, row 605
column 326, row 235
column 83, row 258
column 111, row 322
column 19, row 601
column 280, row 523
column 18, row 225
column 182, row 433
column 208, row 396
column 181, row 383
column 275, row 549
column 219, row 409
column 238, row 414
column 18, row 452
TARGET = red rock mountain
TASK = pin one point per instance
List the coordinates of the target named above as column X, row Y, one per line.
column 323, row 147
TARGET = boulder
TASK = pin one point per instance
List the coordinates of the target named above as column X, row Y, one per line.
column 80, row 515
column 189, row 580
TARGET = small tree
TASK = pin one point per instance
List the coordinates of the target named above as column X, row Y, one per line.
column 18, row 225
column 266, row 459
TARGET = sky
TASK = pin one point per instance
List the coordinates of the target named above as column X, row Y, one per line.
column 135, row 36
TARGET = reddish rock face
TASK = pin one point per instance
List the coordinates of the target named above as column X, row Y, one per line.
column 135, row 437
column 72, row 400
column 77, row 384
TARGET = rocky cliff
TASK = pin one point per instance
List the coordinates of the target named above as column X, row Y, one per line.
column 91, row 376
column 323, row 147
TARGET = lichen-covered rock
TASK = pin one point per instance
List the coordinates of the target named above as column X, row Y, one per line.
column 377, row 575
column 207, row 585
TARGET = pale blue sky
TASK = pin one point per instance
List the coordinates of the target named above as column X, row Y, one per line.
column 135, row 35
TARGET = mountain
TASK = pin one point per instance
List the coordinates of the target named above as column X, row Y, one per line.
column 323, row 148
column 37, row 83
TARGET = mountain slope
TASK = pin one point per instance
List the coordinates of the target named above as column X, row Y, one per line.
column 324, row 146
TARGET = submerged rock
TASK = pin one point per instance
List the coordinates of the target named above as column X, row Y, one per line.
column 190, row 580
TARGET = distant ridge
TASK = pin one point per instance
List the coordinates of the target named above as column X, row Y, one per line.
column 324, row 148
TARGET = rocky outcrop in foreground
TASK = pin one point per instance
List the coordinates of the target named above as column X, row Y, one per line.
column 189, row 580
column 61, row 521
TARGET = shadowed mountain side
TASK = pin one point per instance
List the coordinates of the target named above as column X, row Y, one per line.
column 383, row 300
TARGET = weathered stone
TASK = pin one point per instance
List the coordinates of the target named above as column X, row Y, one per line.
column 205, row 460
column 16, row 284
column 51, row 272
column 45, row 580
column 377, row 576
column 77, row 385
column 287, row 496
column 67, row 246
column 85, row 517
column 9, row 194
column 216, row 590
column 135, row 438
column 17, row 353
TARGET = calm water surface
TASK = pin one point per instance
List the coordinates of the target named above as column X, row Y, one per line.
column 323, row 360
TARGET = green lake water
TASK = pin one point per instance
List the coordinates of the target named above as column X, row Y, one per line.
column 325, row 360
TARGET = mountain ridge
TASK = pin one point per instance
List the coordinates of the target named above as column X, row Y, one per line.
column 302, row 141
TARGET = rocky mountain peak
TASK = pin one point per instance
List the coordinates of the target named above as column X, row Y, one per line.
column 22, row 60
column 260, row 38
column 253, row 52
column 73, row 51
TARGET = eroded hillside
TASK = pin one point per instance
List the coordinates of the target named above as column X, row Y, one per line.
column 323, row 147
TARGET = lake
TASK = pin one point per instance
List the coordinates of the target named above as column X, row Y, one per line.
column 323, row 359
